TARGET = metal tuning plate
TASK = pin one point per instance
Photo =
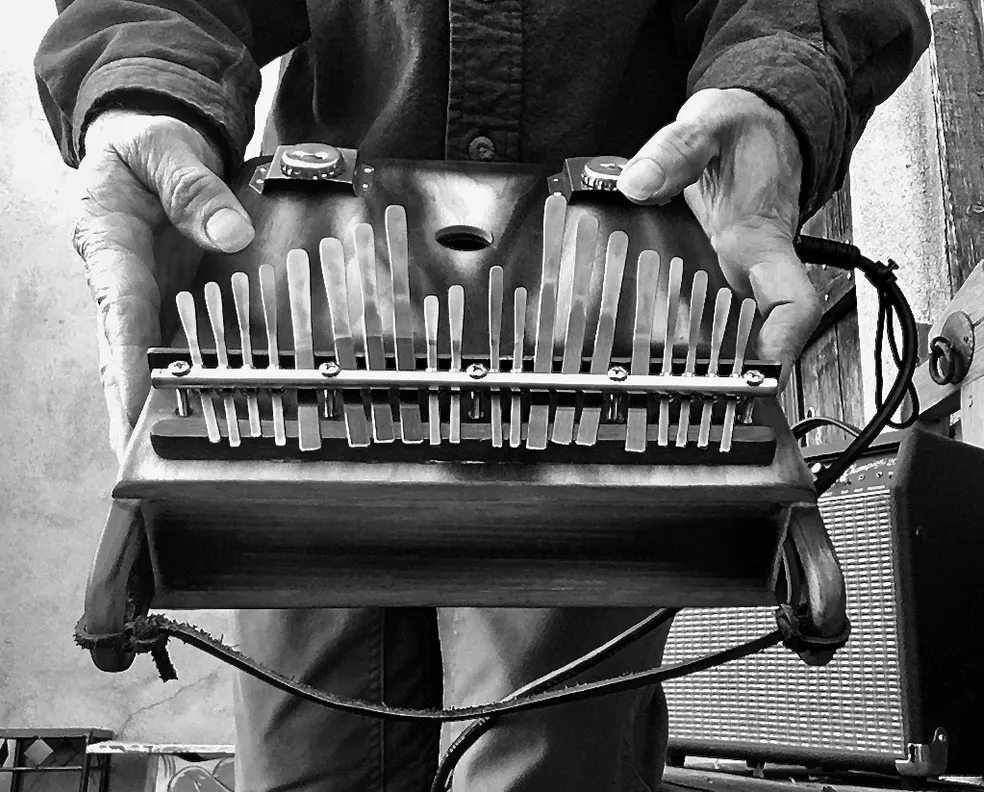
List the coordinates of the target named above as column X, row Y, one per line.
column 722, row 309
column 698, row 295
column 299, row 293
column 745, row 318
column 456, row 324
column 411, row 427
column 240, row 296
column 646, row 282
column 365, row 254
column 519, row 339
column 554, row 215
column 333, row 272
column 432, row 315
column 213, row 303
column 268, row 294
column 189, row 321
column 670, row 315
column 601, row 354
column 573, row 335
column 495, row 360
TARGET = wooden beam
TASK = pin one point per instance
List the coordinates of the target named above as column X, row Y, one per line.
column 957, row 66
column 828, row 375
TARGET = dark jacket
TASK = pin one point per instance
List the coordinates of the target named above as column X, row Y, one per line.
column 533, row 80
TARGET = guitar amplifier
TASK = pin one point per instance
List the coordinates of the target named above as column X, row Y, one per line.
column 905, row 695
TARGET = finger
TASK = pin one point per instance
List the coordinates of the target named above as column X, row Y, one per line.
column 110, row 373
column 118, row 259
column 672, row 159
column 788, row 301
column 193, row 196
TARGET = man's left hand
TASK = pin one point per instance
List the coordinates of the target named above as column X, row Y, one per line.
column 738, row 163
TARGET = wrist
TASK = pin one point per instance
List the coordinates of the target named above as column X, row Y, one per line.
column 123, row 130
column 130, row 113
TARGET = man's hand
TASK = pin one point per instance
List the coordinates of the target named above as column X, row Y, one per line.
column 738, row 163
column 144, row 178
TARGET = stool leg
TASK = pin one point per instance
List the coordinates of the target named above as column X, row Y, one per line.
column 86, row 760
column 104, row 772
column 15, row 777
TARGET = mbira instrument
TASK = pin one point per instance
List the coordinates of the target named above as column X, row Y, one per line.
column 442, row 383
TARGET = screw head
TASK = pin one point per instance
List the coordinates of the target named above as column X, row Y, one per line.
column 754, row 377
column 477, row 371
column 331, row 369
column 618, row 373
column 179, row 368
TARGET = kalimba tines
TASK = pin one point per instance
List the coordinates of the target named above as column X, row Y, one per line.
column 460, row 384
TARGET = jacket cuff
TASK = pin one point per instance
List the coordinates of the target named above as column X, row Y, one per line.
column 801, row 81
column 217, row 109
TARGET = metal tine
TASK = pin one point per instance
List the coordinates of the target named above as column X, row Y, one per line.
column 213, row 304
column 186, row 311
column 456, row 323
column 299, row 293
column 398, row 247
column 268, row 295
column 647, row 281
column 554, row 215
column 383, row 430
column 745, row 318
column 672, row 314
column 618, row 247
column 240, row 296
column 333, row 273
column 519, row 339
column 584, row 254
column 722, row 309
column 698, row 295
column 495, row 359
column 432, row 314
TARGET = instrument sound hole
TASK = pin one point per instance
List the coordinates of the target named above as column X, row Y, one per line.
column 464, row 237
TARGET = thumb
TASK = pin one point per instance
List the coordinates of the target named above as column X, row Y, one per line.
column 197, row 202
column 672, row 159
column 788, row 300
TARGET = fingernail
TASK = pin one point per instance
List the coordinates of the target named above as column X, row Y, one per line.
column 229, row 230
column 641, row 179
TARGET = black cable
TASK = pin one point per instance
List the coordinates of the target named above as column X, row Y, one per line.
column 893, row 307
column 474, row 732
column 801, row 428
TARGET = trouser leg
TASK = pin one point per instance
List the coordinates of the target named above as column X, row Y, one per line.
column 607, row 744
column 284, row 744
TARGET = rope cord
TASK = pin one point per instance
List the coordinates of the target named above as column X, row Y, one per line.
column 155, row 630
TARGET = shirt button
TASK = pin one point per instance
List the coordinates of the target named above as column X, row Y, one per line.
column 481, row 149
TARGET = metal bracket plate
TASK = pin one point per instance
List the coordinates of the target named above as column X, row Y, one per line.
column 330, row 166
column 925, row 760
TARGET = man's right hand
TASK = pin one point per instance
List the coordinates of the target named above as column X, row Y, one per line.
column 145, row 178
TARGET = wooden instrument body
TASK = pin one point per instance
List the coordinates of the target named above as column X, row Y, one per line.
column 357, row 531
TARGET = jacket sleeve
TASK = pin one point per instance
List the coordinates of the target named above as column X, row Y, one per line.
column 199, row 59
column 825, row 63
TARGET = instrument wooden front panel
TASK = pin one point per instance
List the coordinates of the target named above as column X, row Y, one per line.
column 264, row 533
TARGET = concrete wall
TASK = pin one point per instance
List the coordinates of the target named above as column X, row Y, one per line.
column 56, row 468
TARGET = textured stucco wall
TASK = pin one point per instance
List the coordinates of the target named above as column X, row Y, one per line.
column 897, row 199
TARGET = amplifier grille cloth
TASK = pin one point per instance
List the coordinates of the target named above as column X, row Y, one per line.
column 773, row 698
